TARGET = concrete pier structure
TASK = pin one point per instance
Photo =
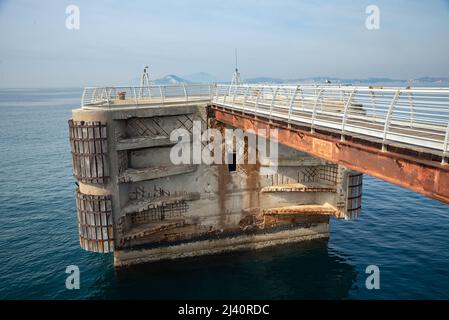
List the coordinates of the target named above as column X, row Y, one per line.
column 133, row 201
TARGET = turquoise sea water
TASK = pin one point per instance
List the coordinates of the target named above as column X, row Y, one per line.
column 405, row 234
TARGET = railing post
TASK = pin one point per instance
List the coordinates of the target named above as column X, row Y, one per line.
column 257, row 100
column 233, row 98
column 185, row 92
column 93, row 98
column 388, row 118
column 373, row 99
column 135, row 95
column 272, row 101
column 140, row 92
column 82, row 97
column 216, row 92
column 162, row 95
column 345, row 115
column 445, row 146
column 290, row 107
column 312, row 125
column 108, row 97
column 244, row 98
column 228, row 92
column 412, row 109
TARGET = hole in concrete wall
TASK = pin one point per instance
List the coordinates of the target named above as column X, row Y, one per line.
column 232, row 163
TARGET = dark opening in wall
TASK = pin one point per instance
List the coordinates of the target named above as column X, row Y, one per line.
column 232, row 163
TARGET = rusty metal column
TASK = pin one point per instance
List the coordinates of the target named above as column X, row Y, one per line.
column 90, row 160
column 354, row 194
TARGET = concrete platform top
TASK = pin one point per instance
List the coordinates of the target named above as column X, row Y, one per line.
column 137, row 111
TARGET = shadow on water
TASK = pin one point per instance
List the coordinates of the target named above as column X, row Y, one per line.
column 293, row 271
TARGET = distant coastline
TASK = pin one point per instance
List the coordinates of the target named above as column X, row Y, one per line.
column 204, row 77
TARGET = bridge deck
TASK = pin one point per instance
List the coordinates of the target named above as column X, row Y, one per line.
column 417, row 117
column 344, row 125
column 331, row 115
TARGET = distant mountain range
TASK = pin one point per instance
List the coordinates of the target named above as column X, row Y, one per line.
column 171, row 79
column 203, row 77
column 200, row 77
column 435, row 80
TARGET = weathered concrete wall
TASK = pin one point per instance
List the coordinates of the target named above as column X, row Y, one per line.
column 163, row 211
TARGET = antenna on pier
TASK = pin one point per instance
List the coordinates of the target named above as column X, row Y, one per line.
column 236, row 75
column 145, row 82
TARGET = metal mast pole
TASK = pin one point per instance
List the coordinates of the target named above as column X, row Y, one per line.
column 145, row 82
column 236, row 76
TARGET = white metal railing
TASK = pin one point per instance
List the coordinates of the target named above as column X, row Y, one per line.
column 97, row 97
column 414, row 116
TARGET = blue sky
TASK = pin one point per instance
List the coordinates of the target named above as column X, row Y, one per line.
column 286, row 39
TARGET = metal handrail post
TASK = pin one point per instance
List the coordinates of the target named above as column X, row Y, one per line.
column 257, row 101
column 290, row 107
column 445, row 146
column 216, row 93
column 388, row 118
column 312, row 125
column 108, row 97
column 135, row 95
column 412, row 109
column 233, row 98
column 162, row 94
column 272, row 101
column 185, row 93
column 373, row 99
column 226, row 95
column 302, row 97
column 93, row 99
column 345, row 114
column 82, row 97
column 245, row 99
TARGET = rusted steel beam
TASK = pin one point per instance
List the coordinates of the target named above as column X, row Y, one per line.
column 426, row 177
